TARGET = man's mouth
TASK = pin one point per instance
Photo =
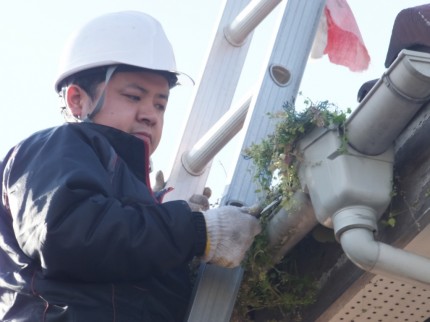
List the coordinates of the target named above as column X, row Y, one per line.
column 143, row 136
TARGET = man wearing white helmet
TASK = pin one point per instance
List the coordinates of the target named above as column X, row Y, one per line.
column 82, row 236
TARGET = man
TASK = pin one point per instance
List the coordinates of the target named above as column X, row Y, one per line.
column 82, row 236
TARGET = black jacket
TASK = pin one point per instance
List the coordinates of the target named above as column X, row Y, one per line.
column 83, row 239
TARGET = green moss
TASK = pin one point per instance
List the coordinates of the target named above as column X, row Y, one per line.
column 275, row 157
column 269, row 286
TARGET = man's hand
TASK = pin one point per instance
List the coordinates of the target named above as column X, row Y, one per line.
column 230, row 232
column 200, row 202
column 159, row 181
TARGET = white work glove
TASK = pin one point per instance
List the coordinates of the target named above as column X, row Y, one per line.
column 159, row 181
column 199, row 202
column 230, row 232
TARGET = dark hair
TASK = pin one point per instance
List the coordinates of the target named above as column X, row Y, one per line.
column 171, row 78
column 89, row 79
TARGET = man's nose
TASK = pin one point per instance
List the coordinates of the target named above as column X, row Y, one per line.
column 147, row 113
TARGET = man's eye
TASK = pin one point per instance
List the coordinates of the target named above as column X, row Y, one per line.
column 160, row 107
column 132, row 97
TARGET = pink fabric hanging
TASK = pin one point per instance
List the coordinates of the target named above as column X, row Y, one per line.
column 339, row 37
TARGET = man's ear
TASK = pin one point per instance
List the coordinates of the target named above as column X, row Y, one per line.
column 75, row 98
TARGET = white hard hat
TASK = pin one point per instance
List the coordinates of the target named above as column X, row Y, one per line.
column 128, row 37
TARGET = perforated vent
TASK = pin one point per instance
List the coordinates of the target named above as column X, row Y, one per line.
column 386, row 300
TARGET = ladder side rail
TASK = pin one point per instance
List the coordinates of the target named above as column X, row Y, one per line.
column 212, row 99
column 291, row 50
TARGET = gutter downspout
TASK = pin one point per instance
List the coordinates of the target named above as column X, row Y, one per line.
column 372, row 128
column 379, row 258
column 350, row 191
column 354, row 229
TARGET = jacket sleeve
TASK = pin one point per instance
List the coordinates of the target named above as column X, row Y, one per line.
column 68, row 216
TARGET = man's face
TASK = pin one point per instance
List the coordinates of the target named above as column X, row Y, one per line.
column 135, row 103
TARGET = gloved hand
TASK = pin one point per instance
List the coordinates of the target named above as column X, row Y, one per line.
column 159, row 181
column 200, row 202
column 230, row 232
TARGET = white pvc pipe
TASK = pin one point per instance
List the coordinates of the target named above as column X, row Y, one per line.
column 355, row 227
column 195, row 160
column 379, row 258
column 246, row 21
column 290, row 225
column 390, row 105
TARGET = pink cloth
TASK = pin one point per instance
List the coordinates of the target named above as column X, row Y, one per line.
column 340, row 37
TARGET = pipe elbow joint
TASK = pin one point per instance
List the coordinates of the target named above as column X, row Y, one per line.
column 360, row 247
column 379, row 258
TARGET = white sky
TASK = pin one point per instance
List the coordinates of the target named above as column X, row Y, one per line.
column 32, row 34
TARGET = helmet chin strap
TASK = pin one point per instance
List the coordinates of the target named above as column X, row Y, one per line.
column 100, row 101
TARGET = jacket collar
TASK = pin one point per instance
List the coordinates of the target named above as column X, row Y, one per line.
column 133, row 151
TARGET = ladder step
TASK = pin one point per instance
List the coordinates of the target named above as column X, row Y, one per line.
column 215, row 294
